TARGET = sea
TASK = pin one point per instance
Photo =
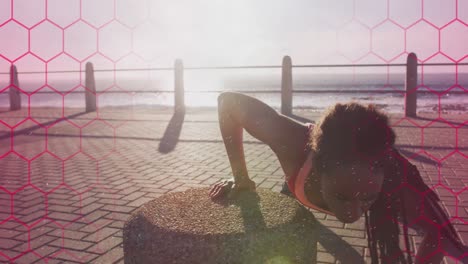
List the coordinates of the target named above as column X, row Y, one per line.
column 316, row 91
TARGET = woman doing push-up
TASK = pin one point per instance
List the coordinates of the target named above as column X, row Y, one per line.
column 345, row 165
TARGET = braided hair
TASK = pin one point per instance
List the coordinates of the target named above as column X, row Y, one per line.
column 350, row 132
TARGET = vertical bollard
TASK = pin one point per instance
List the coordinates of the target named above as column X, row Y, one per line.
column 286, row 86
column 410, row 85
column 179, row 104
column 90, row 93
column 15, row 97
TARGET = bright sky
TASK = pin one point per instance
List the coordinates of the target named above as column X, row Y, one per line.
column 243, row 32
column 310, row 31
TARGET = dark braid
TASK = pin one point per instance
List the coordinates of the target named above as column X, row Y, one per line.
column 371, row 242
column 392, row 207
column 405, row 228
column 383, row 215
column 372, row 139
column 384, row 232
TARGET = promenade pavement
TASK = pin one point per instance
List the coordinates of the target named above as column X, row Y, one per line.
column 68, row 185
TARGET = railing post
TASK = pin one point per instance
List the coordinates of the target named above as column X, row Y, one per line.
column 15, row 97
column 179, row 103
column 90, row 93
column 286, row 86
column 411, row 84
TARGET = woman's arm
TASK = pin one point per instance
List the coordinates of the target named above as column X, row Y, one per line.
column 285, row 136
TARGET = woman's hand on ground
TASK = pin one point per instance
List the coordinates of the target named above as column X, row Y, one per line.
column 229, row 188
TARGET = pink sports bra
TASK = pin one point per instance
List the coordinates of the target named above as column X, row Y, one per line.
column 296, row 182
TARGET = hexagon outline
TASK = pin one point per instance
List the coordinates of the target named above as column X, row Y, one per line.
column 8, row 18
column 440, row 42
column 58, row 159
column 457, row 19
column 33, row 25
column 56, row 93
column 57, row 25
column 19, row 220
column 30, row 40
column 100, row 44
column 98, row 24
column 141, row 21
column 108, row 153
column 39, row 125
column 47, row 204
column 356, row 16
column 457, row 148
column 11, row 141
column 446, row 188
column 97, row 173
column 420, row 214
column 443, row 25
column 34, row 56
column 72, row 154
column 403, row 51
column 11, row 203
column 110, row 61
column 430, row 25
column 12, row 21
column 433, row 121
column 94, row 49
column 67, row 117
column 341, row 53
column 407, row 119
column 405, row 163
column 389, row 15
column 50, row 19
column 110, row 125
column 19, row 253
column 465, row 189
column 71, row 58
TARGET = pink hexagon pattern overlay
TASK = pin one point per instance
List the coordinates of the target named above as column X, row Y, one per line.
column 63, row 12
column 5, row 11
column 115, row 41
column 29, row 12
column 46, row 40
column 99, row 13
column 452, row 38
column 416, row 37
column 66, row 186
column 17, row 36
column 357, row 49
column 404, row 13
column 388, row 33
column 77, row 49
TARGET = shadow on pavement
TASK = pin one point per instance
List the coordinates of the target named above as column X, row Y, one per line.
column 29, row 130
column 332, row 243
column 337, row 247
column 420, row 158
column 171, row 135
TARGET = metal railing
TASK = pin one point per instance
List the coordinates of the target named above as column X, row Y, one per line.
column 249, row 67
column 286, row 82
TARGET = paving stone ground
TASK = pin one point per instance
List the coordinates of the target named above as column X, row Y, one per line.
column 69, row 185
